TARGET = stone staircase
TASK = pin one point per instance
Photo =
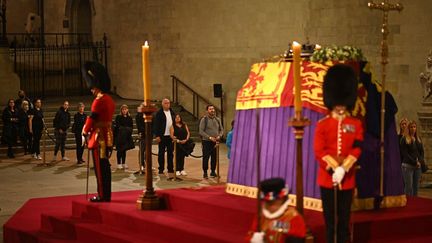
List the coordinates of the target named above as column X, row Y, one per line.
column 52, row 104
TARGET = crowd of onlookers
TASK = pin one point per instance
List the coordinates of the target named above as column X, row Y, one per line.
column 412, row 156
column 23, row 120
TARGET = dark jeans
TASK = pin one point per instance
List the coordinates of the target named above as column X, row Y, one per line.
column 142, row 153
column 165, row 143
column 208, row 151
column 344, row 199
column 37, row 134
column 103, row 175
column 79, row 147
column 411, row 175
column 60, row 142
column 180, row 158
column 121, row 157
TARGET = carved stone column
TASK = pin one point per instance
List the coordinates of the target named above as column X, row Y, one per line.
column 425, row 113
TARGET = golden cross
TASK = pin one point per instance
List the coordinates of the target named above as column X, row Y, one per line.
column 384, row 6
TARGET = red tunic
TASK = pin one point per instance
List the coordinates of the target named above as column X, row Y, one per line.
column 99, row 123
column 336, row 138
column 289, row 224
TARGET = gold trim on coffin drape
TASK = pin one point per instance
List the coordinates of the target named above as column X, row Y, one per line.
column 315, row 204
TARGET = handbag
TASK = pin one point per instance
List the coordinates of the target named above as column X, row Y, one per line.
column 189, row 146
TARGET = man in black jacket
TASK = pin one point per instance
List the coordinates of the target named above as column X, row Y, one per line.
column 61, row 124
column 162, row 123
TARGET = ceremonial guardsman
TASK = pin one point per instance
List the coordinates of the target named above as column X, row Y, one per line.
column 98, row 127
column 278, row 222
column 337, row 146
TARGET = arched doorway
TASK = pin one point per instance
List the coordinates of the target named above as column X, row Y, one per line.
column 80, row 14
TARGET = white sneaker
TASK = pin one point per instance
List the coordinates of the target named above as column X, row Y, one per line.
column 65, row 158
column 178, row 173
column 38, row 157
column 183, row 173
column 125, row 166
column 119, row 166
column 35, row 156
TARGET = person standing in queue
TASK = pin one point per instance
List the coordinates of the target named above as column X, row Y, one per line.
column 98, row 127
column 161, row 130
column 79, row 121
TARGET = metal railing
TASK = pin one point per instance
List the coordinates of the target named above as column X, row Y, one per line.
column 198, row 101
column 54, row 68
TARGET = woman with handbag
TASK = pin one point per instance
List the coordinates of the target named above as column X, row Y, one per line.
column 180, row 132
column 123, row 127
column 412, row 159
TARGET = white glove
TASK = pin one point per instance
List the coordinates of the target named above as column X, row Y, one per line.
column 257, row 237
column 338, row 175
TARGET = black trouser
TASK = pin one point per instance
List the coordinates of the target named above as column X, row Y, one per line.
column 180, row 158
column 26, row 140
column 102, row 169
column 79, row 147
column 344, row 199
column 165, row 143
column 121, row 157
column 37, row 134
column 208, row 148
column 60, row 142
column 142, row 152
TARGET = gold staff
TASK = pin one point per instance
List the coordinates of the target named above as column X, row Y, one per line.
column 385, row 7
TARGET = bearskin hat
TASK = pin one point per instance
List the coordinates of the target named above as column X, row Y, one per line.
column 96, row 76
column 340, row 87
column 273, row 188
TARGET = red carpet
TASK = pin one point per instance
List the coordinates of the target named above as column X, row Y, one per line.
column 202, row 215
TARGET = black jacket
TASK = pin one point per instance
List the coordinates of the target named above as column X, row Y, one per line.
column 139, row 120
column 62, row 119
column 159, row 122
column 123, row 133
column 10, row 126
column 79, row 121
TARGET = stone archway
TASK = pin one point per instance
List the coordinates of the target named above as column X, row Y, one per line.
column 80, row 13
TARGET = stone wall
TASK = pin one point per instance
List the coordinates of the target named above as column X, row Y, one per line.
column 201, row 42
column 216, row 41
column 9, row 81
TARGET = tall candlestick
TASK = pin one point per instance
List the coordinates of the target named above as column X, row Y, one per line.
column 296, row 47
column 146, row 71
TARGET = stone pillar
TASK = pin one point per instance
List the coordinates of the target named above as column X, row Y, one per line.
column 9, row 80
column 425, row 129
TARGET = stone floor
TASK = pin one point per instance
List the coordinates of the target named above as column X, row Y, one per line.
column 23, row 178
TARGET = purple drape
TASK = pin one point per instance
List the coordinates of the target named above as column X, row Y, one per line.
column 277, row 149
column 368, row 176
column 278, row 154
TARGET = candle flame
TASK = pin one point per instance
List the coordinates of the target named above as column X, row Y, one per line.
column 146, row 44
column 295, row 43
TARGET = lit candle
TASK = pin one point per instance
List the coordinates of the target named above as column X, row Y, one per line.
column 146, row 71
column 296, row 47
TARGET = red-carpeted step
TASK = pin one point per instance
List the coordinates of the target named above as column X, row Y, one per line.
column 207, row 204
column 168, row 225
column 88, row 231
